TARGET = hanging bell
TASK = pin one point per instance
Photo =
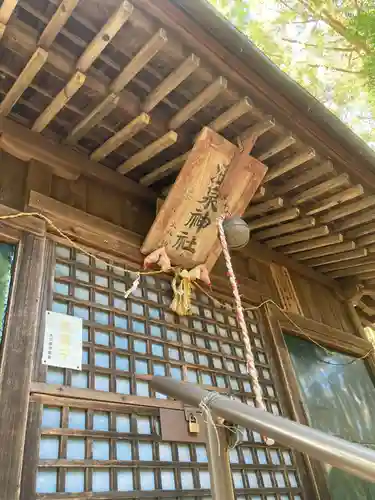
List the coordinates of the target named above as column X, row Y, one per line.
column 237, row 232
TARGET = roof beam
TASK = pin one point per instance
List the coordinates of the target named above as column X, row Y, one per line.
column 337, row 199
column 320, row 189
column 57, row 22
column 339, row 257
column 27, row 145
column 231, row 115
column 27, row 75
column 262, row 208
column 278, row 146
column 289, row 164
column 70, row 89
column 292, row 227
column 148, row 152
column 330, row 250
column 6, row 10
column 306, row 177
column 200, row 101
column 309, row 234
column 348, row 209
column 273, row 220
column 103, row 109
column 105, row 35
column 123, row 135
column 312, row 244
column 171, row 82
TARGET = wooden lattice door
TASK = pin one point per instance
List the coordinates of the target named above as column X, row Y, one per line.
column 96, row 433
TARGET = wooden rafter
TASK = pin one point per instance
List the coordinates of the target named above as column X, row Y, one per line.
column 320, row 189
column 304, row 246
column 105, row 35
column 33, row 66
column 56, row 23
column 173, row 80
column 289, row 164
column 200, row 101
column 148, row 152
column 123, row 135
column 70, row 89
column 309, row 234
column 338, row 198
column 328, row 250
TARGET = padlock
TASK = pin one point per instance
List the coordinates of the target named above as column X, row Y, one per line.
column 193, row 424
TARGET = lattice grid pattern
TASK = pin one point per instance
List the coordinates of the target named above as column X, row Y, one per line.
column 125, row 342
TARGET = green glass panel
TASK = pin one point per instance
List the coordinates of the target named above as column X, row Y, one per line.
column 339, row 397
column 6, row 266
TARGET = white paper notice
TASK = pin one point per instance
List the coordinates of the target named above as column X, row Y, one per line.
column 62, row 341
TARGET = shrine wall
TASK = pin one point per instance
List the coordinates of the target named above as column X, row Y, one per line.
column 18, row 178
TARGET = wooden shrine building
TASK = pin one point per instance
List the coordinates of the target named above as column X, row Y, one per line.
column 100, row 105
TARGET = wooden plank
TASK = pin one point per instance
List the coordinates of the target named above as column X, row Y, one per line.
column 330, row 250
column 171, row 82
column 165, row 170
column 337, row 199
column 17, row 361
column 273, row 220
column 29, row 224
column 104, row 235
column 312, row 244
column 262, row 208
column 342, row 256
column 289, row 164
column 2, row 30
column 39, row 178
column 31, row 454
column 198, row 102
column 26, row 145
column 361, row 231
column 324, row 334
column 123, row 135
column 85, row 395
column 320, row 189
column 366, row 240
column 309, row 234
column 139, row 61
column 348, row 209
column 58, row 20
column 278, row 146
column 364, row 269
column 27, row 75
column 346, row 263
column 6, row 10
column 148, row 152
column 355, row 220
column 287, row 293
column 103, row 109
column 257, row 130
column 231, row 115
column 64, row 96
column 310, row 175
column 105, row 35
column 298, row 225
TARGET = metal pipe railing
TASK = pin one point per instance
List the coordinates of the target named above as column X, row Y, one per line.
column 350, row 457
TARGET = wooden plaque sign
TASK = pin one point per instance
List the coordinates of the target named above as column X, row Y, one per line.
column 216, row 178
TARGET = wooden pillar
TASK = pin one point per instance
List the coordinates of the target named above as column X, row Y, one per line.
column 359, row 329
column 314, row 478
column 17, row 361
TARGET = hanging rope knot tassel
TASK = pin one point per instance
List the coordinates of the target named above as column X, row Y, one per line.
column 250, row 362
column 182, row 288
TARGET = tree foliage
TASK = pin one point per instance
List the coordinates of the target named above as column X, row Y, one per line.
column 327, row 46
